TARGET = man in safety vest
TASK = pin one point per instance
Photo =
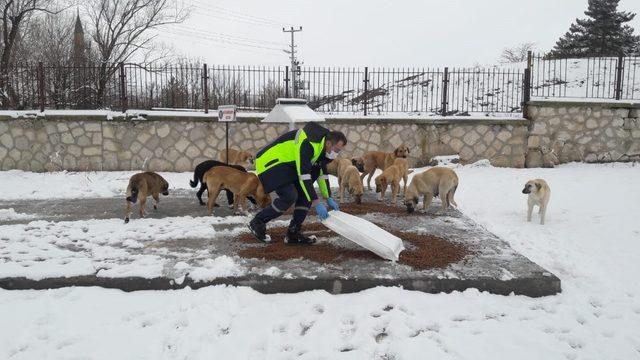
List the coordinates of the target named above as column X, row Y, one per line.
column 289, row 166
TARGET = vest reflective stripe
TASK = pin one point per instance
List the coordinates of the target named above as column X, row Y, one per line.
column 301, row 136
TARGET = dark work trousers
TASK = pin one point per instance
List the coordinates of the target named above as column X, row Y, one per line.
column 288, row 195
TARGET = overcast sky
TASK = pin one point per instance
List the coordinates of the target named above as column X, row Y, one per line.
column 372, row 32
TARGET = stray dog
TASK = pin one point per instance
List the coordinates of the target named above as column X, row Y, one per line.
column 539, row 194
column 381, row 160
column 391, row 176
column 358, row 163
column 242, row 184
column 332, row 167
column 403, row 165
column 142, row 185
column 433, row 182
column 236, row 157
column 202, row 168
column 349, row 179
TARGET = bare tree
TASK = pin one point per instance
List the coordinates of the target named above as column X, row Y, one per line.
column 121, row 28
column 517, row 53
column 15, row 14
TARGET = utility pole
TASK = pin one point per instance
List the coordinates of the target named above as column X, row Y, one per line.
column 294, row 62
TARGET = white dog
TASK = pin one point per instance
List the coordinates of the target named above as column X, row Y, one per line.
column 539, row 193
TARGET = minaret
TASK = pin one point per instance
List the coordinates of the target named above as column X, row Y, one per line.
column 78, row 55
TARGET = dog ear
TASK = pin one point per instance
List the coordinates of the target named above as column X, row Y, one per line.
column 395, row 152
column 538, row 186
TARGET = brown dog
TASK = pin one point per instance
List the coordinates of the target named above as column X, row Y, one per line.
column 332, row 167
column 433, row 182
column 241, row 184
column 236, row 157
column 390, row 176
column 142, row 185
column 403, row 165
column 349, row 179
column 381, row 160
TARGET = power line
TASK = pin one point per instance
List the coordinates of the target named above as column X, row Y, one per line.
column 235, row 18
column 240, row 14
column 216, row 39
column 207, row 42
column 222, row 35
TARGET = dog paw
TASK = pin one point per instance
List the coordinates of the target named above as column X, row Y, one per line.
column 126, row 220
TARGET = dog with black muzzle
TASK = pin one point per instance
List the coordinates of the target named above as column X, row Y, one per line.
column 141, row 186
column 437, row 181
column 539, row 194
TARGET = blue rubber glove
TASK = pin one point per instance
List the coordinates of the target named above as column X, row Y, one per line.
column 322, row 212
column 333, row 204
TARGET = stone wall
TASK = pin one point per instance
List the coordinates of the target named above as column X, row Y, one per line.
column 49, row 143
column 587, row 131
column 556, row 132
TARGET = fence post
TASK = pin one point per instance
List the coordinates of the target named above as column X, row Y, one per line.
column 445, row 85
column 619, row 68
column 366, row 89
column 526, row 86
column 40, row 76
column 286, row 81
column 205, row 88
column 123, row 88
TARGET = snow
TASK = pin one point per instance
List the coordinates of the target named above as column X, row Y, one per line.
column 42, row 249
column 11, row 214
column 591, row 241
column 75, row 184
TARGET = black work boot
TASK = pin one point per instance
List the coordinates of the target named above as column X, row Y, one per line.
column 259, row 230
column 296, row 237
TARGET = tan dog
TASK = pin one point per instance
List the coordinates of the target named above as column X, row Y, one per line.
column 437, row 181
column 349, row 180
column 236, row 157
column 241, row 184
column 332, row 167
column 403, row 165
column 381, row 160
column 142, row 185
column 539, row 194
column 390, row 176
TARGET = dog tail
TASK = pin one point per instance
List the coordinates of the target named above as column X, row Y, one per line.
column 132, row 192
column 450, row 195
column 195, row 180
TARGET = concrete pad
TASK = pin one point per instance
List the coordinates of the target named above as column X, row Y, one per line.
column 491, row 266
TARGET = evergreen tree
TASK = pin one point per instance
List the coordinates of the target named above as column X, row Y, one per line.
column 603, row 33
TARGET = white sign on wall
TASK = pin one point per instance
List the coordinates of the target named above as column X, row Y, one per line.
column 227, row 113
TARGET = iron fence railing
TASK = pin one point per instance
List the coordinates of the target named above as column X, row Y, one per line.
column 596, row 77
column 441, row 91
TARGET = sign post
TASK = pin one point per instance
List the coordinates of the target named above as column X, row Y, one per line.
column 227, row 114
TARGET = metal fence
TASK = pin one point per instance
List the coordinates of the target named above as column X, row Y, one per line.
column 442, row 91
column 330, row 90
column 601, row 77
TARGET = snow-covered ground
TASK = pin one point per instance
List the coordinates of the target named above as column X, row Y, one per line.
column 591, row 241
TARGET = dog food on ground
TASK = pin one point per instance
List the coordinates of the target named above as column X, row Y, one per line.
column 368, row 208
column 423, row 251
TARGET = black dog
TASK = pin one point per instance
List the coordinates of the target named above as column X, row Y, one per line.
column 202, row 168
